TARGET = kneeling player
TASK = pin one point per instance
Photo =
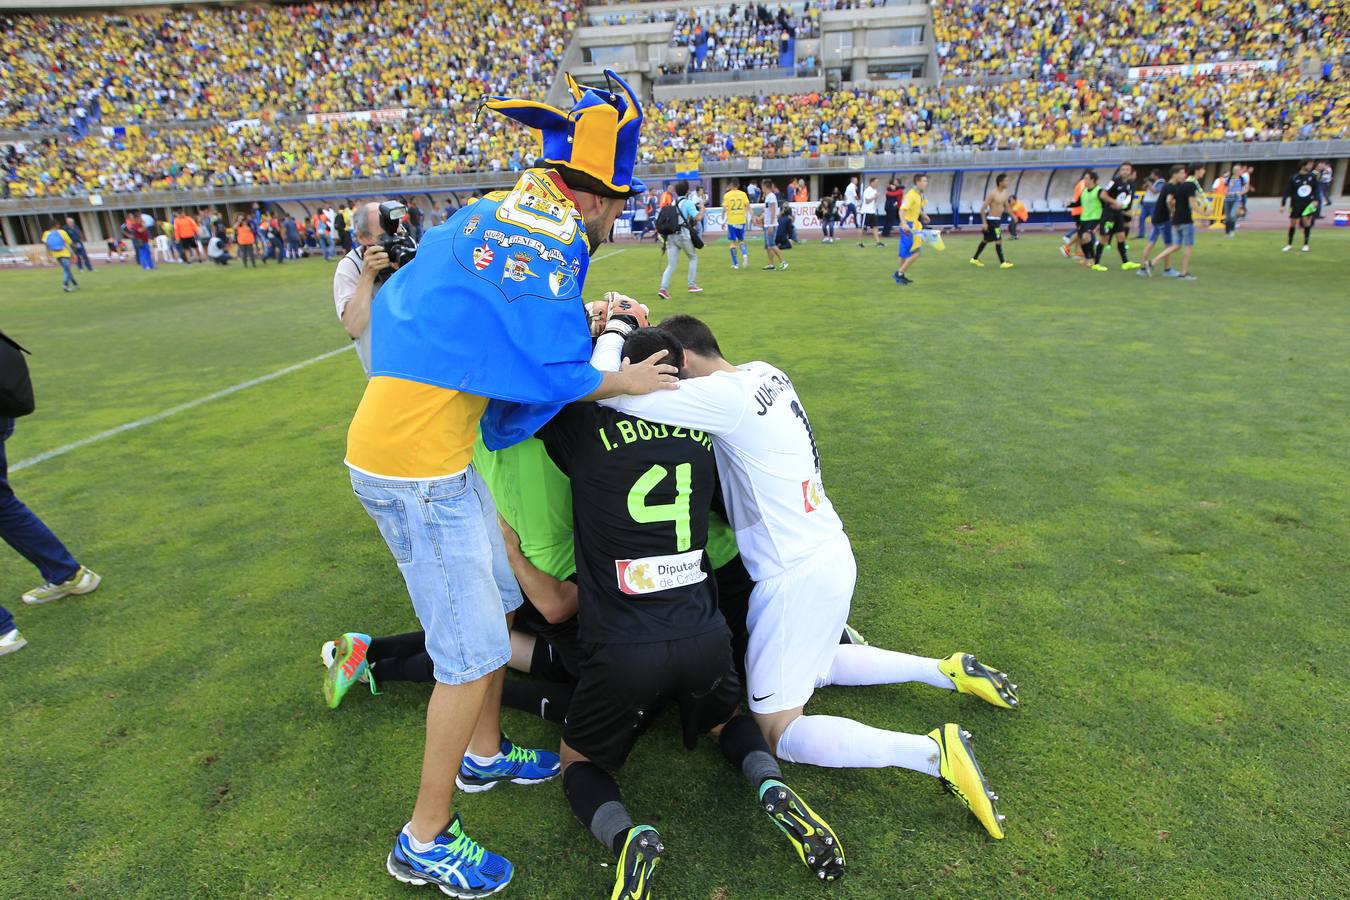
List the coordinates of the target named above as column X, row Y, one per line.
column 641, row 496
column 795, row 548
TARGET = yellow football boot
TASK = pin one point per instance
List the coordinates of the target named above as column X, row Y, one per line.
column 961, row 775
column 990, row 685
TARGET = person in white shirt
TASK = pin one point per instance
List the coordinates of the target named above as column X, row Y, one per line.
column 794, row 547
column 851, row 202
column 354, row 281
column 869, row 211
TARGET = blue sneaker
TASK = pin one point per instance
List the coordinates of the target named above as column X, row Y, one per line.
column 517, row 765
column 457, row 864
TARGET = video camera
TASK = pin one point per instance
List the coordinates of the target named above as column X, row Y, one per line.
column 394, row 238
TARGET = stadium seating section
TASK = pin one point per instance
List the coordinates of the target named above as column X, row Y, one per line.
column 216, row 96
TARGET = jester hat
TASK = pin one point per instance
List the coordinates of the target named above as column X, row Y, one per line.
column 598, row 136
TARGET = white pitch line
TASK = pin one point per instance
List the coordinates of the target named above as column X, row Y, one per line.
column 182, row 407
column 608, row 255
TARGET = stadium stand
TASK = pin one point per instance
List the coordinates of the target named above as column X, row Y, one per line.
column 1044, row 37
column 183, row 99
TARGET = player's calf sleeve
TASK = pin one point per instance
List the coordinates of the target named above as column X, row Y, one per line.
column 856, row 664
column 417, row 668
column 839, row 743
column 1124, row 249
column 734, row 260
column 593, row 795
column 547, row 699
column 1291, row 234
column 1097, row 252
column 744, row 747
column 1307, row 233
column 978, row 250
column 998, row 248
column 410, row 644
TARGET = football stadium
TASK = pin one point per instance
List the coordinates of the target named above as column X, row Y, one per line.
column 575, row 449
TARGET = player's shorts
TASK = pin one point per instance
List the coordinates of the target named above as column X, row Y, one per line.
column 624, row 687
column 795, row 620
column 907, row 242
column 1160, row 230
column 1087, row 226
column 444, row 536
column 992, row 232
column 562, row 638
column 770, row 237
column 187, row 245
column 869, row 220
column 1111, row 223
column 1184, row 235
column 735, row 233
column 1310, row 210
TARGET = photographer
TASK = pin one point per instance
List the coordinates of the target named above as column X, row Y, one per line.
column 354, row 282
column 684, row 237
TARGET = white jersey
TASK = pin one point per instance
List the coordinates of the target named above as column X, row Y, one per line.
column 766, row 456
column 869, row 204
column 851, row 194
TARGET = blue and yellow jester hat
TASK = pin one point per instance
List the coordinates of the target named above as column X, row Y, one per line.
column 598, row 136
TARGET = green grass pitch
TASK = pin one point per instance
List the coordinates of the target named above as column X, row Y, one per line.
column 1132, row 495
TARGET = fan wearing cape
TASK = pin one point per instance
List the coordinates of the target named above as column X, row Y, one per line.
column 485, row 326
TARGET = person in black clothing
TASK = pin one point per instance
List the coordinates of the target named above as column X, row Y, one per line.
column 1116, row 219
column 641, row 498
column 1303, row 199
column 1177, row 198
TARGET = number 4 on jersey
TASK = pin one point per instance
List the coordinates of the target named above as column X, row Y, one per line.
column 676, row 511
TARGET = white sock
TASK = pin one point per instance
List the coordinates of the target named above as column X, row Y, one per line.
column 838, row 743
column 859, row 664
column 484, row 760
column 419, row 846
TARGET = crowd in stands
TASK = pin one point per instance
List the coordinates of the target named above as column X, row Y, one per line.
column 1045, row 37
column 220, row 62
column 1021, row 114
column 753, row 36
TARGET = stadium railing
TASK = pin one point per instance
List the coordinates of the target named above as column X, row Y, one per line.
column 913, row 162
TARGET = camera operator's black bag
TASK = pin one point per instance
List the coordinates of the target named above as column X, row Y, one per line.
column 16, row 388
column 668, row 220
column 694, row 237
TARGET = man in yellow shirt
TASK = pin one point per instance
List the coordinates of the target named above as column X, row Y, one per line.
column 911, row 216
column 484, row 330
column 736, row 204
column 59, row 247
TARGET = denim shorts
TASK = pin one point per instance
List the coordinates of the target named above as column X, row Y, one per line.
column 444, row 536
column 770, row 237
column 1163, row 231
column 1184, row 235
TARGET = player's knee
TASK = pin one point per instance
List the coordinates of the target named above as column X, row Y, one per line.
column 569, row 757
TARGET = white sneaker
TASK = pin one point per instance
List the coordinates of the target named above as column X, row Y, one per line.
column 1306, row 248
column 11, row 642
column 82, row 582
column 1286, row 248
column 782, row 267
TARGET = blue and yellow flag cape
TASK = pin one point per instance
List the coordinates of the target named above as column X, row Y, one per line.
column 492, row 306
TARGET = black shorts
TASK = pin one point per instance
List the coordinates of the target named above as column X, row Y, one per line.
column 563, row 640
column 1112, row 223
column 734, row 585
column 869, row 220
column 624, row 687
column 187, row 245
column 992, row 232
column 1087, row 226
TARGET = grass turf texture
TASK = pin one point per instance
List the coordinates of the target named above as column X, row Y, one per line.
column 1129, row 494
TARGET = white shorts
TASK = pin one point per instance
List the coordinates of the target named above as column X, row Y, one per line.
column 795, row 619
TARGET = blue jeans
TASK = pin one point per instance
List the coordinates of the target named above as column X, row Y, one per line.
column 25, row 532
column 326, row 244
column 444, row 536
column 6, row 621
column 67, row 279
column 1146, row 215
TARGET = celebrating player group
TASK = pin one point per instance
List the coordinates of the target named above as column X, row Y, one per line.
column 619, row 511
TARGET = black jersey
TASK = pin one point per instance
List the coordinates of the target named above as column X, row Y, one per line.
column 1122, row 191
column 1161, row 215
column 641, row 494
column 1301, row 194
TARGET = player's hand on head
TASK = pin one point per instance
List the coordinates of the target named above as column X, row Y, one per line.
column 651, row 374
